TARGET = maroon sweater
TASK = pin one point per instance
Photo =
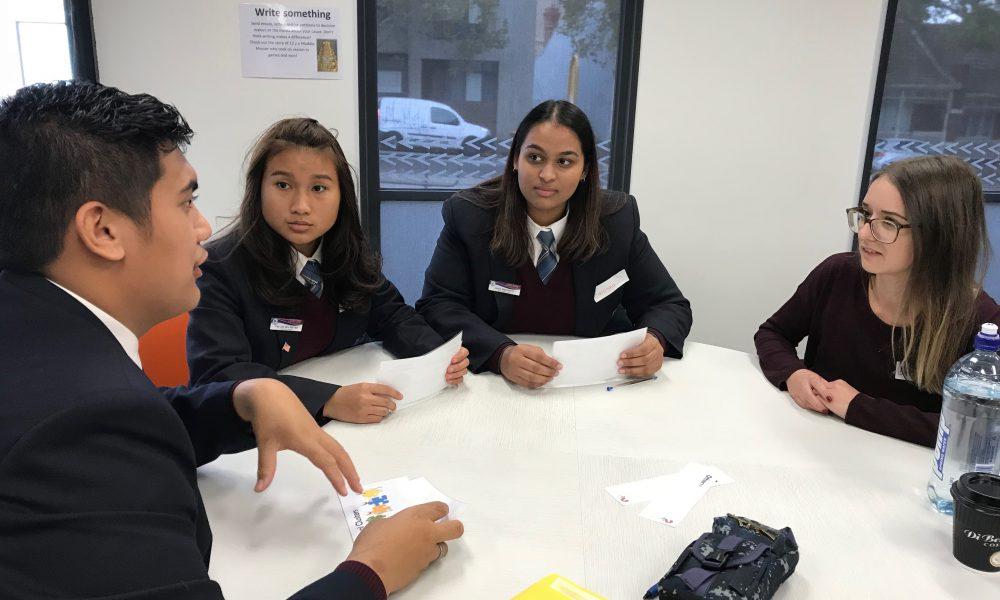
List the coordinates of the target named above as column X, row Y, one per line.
column 544, row 308
column 848, row 341
column 319, row 325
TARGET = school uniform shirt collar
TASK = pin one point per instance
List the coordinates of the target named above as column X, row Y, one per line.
column 128, row 340
column 556, row 228
column 302, row 259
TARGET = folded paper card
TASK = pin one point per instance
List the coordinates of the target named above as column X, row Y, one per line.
column 592, row 360
column 383, row 499
column 671, row 496
column 420, row 377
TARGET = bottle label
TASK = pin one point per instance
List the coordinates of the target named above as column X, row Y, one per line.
column 941, row 448
column 983, row 447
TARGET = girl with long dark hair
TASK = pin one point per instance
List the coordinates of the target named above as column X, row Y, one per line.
column 543, row 249
column 295, row 278
column 885, row 323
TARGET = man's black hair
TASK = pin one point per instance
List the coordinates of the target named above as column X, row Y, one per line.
column 66, row 143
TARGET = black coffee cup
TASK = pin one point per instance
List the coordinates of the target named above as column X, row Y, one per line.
column 977, row 521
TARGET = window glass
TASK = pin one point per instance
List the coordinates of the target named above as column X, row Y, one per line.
column 942, row 85
column 489, row 62
column 34, row 44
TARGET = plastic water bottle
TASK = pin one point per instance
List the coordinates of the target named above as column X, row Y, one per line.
column 969, row 431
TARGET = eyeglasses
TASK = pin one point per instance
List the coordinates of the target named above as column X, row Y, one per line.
column 883, row 230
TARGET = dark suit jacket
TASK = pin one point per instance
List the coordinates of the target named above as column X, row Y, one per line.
column 456, row 295
column 98, row 492
column 229, row 335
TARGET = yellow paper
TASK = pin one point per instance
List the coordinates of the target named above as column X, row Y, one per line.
column 556, row 587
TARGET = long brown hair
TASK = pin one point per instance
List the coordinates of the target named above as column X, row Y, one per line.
column 944, row 204
column 584, row 235
column 351, row 272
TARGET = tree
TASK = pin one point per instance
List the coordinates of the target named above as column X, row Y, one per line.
column 474, row 26
column 592, row 27
column 966, row 24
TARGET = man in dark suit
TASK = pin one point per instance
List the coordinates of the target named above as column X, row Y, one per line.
column 99, row 241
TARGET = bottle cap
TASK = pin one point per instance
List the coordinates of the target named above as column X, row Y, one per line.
column 987, row 338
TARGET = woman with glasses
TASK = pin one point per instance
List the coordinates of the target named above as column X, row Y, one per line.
column 543, row 249
column 886, row 323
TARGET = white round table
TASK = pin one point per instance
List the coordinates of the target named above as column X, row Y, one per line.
column 532, row 467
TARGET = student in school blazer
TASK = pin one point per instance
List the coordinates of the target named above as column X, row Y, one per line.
column 93, row 457
column 98, row 489
column 230, row 333
column 295, row 278
column 457, row 294
column 494, row 270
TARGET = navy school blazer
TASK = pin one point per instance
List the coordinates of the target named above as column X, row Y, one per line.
column 229, row 335
column 456, row 295
column 98, row 490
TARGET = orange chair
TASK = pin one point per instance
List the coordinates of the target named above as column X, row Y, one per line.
column 163, row 352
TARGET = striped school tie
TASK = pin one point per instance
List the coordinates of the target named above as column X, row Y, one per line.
column 314, row 281
column 547, row 258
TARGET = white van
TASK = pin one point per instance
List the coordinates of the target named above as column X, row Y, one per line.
column 419, row 122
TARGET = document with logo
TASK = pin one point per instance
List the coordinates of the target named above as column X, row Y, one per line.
column 671, row 496
column 593, row 360
column 383, row 499
column 420, row 377
column 645, row 490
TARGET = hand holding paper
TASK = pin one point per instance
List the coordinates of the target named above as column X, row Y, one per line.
column 383, row 499
column 643, row 360
column 593, row 360
column 362, row 403
column 420, row 377
column 398, row 549
column 458, row 368
column 528, row 365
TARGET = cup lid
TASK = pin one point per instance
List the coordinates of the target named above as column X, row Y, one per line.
column 982, row 489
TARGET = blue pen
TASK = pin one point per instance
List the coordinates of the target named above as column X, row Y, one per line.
column 650, row 378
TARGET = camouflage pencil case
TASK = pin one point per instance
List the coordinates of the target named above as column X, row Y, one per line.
column 740, row 559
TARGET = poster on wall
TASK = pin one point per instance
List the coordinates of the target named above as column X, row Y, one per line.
column 287, row 42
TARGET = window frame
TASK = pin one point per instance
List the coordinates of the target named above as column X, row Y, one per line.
column 80, row 28
column 622, row 121
column 880, row 84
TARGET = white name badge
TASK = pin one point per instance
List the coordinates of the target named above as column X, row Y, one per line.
column 278, row 324
column 614, row 282
column 503, row 287
column 902, row 372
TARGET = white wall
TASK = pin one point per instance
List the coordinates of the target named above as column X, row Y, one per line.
column 751, row 125
column 187, row 52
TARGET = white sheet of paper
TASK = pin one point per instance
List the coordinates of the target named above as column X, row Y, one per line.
column 673, row 506
column 644, row 490
column 420, row 377
column 592, row 360
column 699, row 471
column 383, row 499
column 673, row 503
column 421, row 491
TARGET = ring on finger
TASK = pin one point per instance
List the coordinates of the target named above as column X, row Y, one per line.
column 442, row 550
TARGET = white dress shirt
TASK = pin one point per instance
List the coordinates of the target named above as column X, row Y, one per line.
column 556, row 228
column 124, row 335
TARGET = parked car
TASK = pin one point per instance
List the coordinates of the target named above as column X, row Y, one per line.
column 424, row 123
